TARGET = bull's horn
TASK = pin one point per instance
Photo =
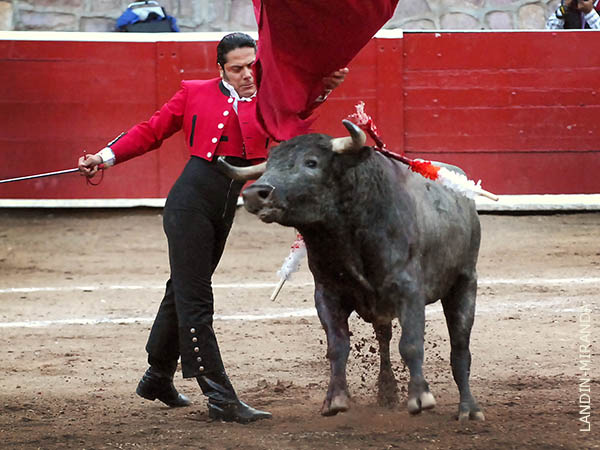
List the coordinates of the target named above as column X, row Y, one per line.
column 351, row 143
column 241, row 173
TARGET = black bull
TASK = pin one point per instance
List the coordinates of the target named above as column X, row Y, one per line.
column 381, row 241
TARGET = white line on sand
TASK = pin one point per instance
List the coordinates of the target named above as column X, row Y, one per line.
column 305, row 312
column 482, row 282
column 92, row 288
column 553, row 304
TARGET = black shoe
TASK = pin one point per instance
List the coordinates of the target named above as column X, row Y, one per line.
column 236, row 412
column 152, row 386
column 223, row 403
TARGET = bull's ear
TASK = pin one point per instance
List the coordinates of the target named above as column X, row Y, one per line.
column 349, row 144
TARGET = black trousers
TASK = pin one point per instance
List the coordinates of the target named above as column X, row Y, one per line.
column 197, row 219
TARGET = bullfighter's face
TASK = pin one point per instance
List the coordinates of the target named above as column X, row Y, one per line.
column 237, row 70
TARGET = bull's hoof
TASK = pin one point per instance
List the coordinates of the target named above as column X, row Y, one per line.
column 427, row 400
column 417, row 404
column 470, row 412
column 339, row 403
column 473, row 415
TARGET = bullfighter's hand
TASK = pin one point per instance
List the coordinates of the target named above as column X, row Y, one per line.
column 88, row 165
column 585, row 6
column 336, row 78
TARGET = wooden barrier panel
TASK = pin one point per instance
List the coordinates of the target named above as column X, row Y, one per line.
column 518, row 110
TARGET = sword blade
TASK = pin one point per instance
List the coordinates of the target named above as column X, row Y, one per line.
column 39, row 175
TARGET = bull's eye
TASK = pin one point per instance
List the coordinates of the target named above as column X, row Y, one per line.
column 310, row 163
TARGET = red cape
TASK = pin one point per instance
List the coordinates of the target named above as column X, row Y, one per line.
column 299, row 43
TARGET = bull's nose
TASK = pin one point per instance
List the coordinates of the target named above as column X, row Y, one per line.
column 256, row 195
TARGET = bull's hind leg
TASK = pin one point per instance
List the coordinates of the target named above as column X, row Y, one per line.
column 335, row 322
column 412, row 320
column 387, row 387
column 459, row 309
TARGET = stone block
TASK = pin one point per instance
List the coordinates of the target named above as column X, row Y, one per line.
column 421, row 24
column 100, row 24
column 189, row 29
column 50, row 21
column 242, row 15
column 215, row 15
column 172, row 6
column 412, row 8
column 459, row 21
column 496, row 3
column 107, row 7
column 56, row 5
column 187, row 11
column 464, row 4
column 6, row 16
column 203, row 13
column 221, row 9
column 499, row 20
column 532, row 17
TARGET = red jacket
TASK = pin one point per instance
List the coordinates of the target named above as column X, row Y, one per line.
column 204, row 109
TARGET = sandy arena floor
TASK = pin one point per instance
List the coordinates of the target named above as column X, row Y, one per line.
column 78, row 291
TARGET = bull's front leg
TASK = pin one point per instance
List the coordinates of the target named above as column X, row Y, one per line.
column 334, row 319
column 411, row 308
column 387, row 386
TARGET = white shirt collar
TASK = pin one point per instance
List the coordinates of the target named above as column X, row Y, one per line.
column 236, row 97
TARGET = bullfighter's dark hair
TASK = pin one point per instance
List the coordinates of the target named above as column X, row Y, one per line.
column 231, row 42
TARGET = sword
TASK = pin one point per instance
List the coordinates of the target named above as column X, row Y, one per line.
column 39, row 175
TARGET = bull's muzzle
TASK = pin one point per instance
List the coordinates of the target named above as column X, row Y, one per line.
column 257, row 196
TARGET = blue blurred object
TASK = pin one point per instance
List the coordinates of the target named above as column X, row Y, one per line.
column 146, row 17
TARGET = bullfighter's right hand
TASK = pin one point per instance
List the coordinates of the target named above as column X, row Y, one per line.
column 89, row 165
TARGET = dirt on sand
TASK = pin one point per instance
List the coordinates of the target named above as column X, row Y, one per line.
column 79, row 289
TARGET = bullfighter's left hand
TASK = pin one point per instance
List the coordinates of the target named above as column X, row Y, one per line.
column 335, row 79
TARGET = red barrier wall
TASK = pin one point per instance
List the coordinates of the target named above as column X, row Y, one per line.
column 520, row 110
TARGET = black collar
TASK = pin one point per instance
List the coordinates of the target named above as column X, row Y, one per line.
column 223, row 89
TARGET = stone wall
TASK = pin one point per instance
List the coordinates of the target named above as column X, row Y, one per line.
column 226, row 15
